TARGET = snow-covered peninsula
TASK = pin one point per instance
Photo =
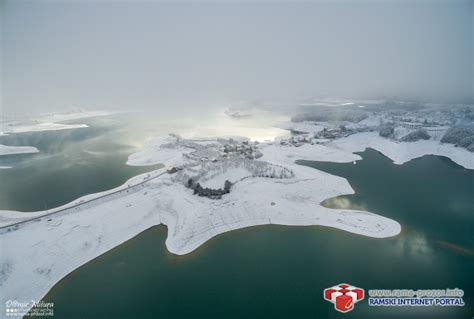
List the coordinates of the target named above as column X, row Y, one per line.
column 266, row 188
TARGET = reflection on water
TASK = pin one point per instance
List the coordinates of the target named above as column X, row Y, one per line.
column 456, row 248
column 259, row 127
column 429, row 194
column 342, row 203
column 415, row 244
column 281, row 272
column 70, row 164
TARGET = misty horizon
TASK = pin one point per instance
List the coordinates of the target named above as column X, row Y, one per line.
column 176, row 57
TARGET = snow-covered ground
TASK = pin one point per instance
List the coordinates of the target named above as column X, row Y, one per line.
column 159, row 151
column 33, row 126
column 9, row 150
column 217, row 179
column 47, row 122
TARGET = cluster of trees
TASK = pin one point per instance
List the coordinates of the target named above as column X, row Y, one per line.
column 254, row 168
column 267, row 170
column 235, row 169
column 417, row 135
column 386, row 130
column 353, row 116
column 209, row 192
column 468, row 112
column 462, row 135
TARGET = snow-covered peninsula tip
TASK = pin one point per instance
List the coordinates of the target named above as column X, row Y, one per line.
column 48, row 122
column 10, row 150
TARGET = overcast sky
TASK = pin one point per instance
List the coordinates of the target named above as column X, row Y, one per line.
column 176, row 56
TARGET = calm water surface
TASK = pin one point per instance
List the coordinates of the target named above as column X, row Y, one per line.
column 280, row 272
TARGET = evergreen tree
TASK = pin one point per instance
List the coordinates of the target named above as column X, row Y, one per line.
column 190, row 183
column 227, row 186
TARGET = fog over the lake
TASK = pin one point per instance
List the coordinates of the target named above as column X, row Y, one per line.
column 184, row 57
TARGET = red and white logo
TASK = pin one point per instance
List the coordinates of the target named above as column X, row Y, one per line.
column 344, row 296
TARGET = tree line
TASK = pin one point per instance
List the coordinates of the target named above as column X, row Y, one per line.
column 209, row 192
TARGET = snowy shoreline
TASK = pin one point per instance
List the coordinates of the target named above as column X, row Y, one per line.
column 70, row 240
column 398, row 152
column 10, row 150
column 48, row 122
column 402, row 152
